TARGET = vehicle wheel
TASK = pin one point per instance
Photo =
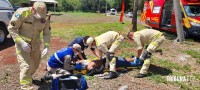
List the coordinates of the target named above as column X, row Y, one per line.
column 186, row 33
column 3, row 35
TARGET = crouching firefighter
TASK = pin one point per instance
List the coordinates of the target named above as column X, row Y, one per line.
column 150, row 37
column 108, row 43
column 59, row 63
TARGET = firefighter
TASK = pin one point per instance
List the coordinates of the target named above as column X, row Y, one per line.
column 153, row 39
column 25, row 28
column 84, row 42
column 60, row 62
column 107, row 43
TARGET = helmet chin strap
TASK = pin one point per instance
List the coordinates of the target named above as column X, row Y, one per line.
column 37, row 16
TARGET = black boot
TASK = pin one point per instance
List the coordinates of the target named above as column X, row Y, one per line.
column 111, row 75
column 47, row 77
column 139, row 75
column 91, row 72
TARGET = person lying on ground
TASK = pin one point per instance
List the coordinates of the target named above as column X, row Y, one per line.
column 96, row 66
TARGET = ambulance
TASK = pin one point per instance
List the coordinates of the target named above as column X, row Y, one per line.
column 159, row 14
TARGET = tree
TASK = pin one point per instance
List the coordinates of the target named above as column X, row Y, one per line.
column 73, row 5
column 134, row 18
column 178, row 17
column 18, row 2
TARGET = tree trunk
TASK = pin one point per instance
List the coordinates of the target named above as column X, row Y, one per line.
column 178, row 17
column 134, row 19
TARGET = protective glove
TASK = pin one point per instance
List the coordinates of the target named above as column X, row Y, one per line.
column 44, row 52
column 26, row 47
column 78, row 66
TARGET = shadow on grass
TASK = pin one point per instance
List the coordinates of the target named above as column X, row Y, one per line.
column 153, row 69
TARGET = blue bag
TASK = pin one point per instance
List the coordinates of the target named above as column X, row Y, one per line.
column 64, row 83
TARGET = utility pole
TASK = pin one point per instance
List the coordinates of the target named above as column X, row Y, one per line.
column 106, row 7
column 178, row 17
column 99, row 7
column 134, row 18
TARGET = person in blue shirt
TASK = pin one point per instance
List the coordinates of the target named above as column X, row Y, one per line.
column 84, row 42
column 60, row 63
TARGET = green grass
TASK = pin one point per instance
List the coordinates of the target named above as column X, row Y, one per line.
column 177, row 70
column 197, row 76
column 87, row 29
column 170, row 65
column 127, row 44
column 77, row 13
column 167, row 64
column 97, row 29
column 194, row 54
column 63, row 32
column 84, row 14
column 158, row 78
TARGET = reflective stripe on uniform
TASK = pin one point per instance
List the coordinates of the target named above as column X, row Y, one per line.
column 18, row 39
column 46, row 44
column 26, row 39
column 145, row 66
column 58, row 59
column 97, row 42
column 116, row 43
column 26, row 81
column 18, row 51
column 26, row 13
column 158, row 35
column 154, row 44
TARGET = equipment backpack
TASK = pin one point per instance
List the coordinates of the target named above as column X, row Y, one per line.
column 72, row 82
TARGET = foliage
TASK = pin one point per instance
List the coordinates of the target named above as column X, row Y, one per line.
column 18, row 2
column 86, row 5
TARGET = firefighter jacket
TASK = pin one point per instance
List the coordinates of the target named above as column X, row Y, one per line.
column 25, row 27
column 145, row 36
